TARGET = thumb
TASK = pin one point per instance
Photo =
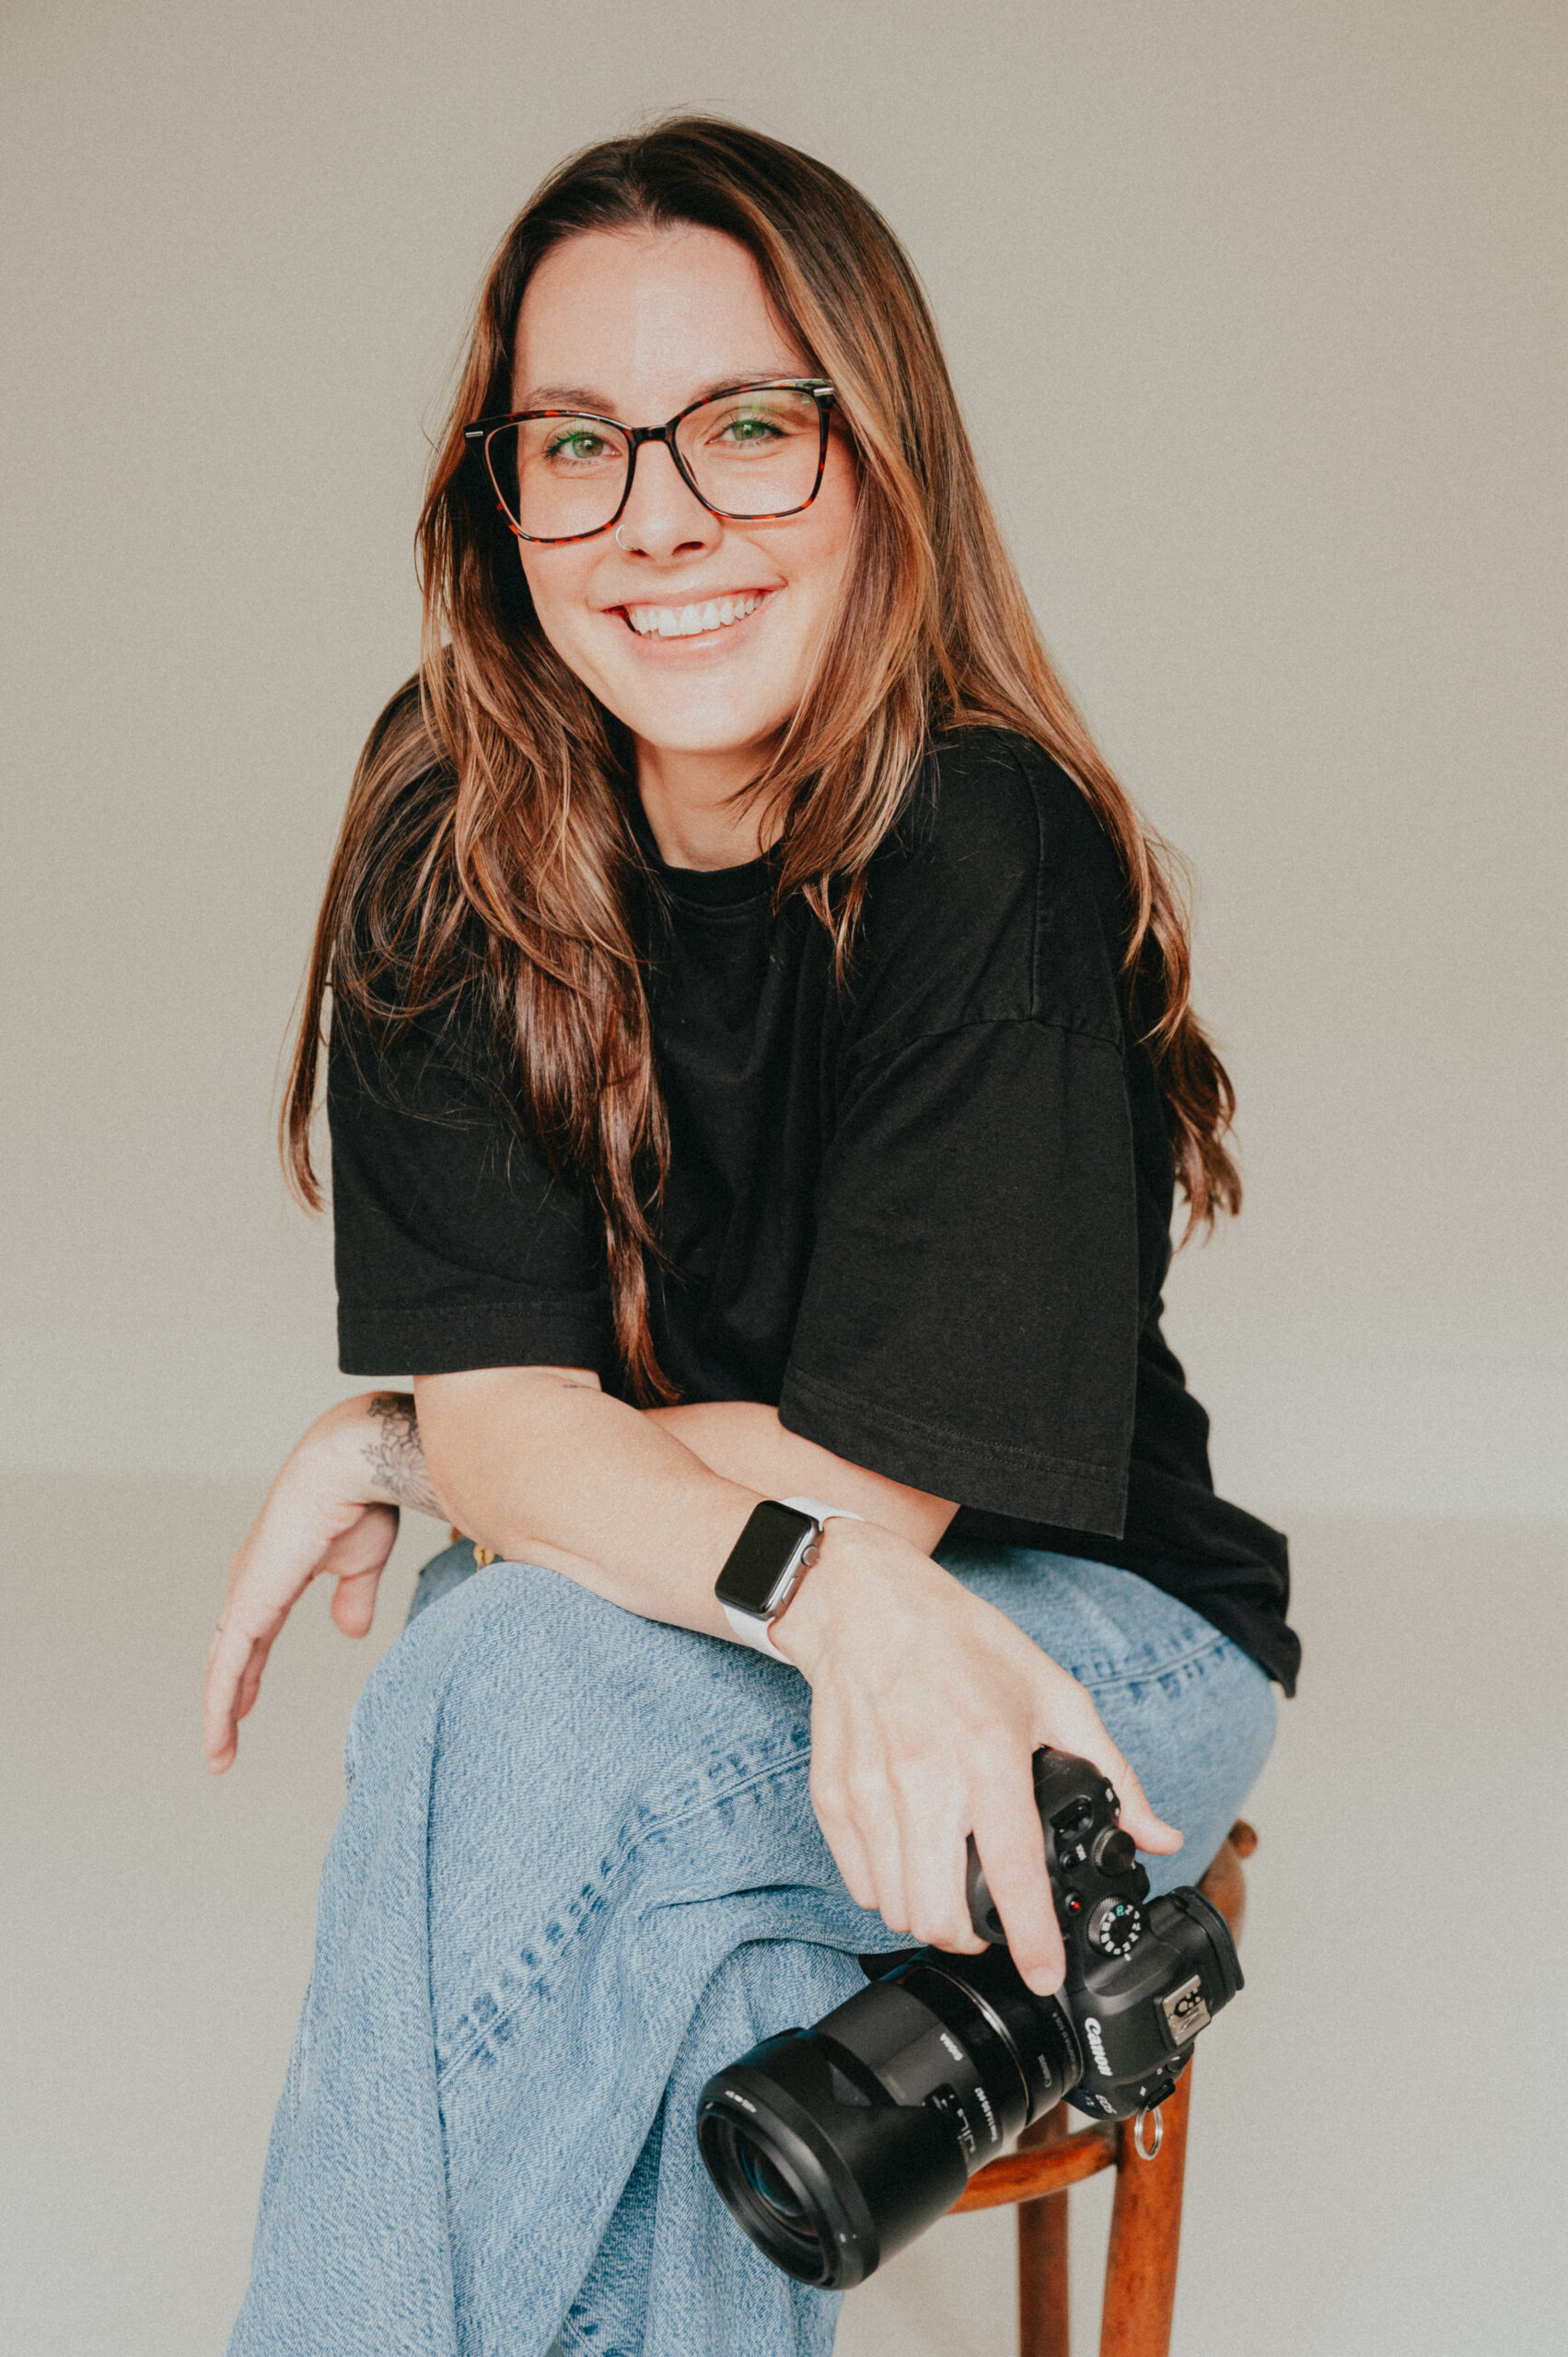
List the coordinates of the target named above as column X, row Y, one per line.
column 353, row 1602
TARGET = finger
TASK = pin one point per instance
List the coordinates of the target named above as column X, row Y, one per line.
column 353, row 1602
column 228, row 1659
column 1086, row 1734
column 851, row 1859
column 219, row 1751
column 876, row 1821
column 235, row 1658
column 866, row 1805
column 250, row 1680
column 363, row 1546
column 1149, row 1831
column 843, row 1834
column 1011, row 1843
column 218, row 1687
column 935, row 1862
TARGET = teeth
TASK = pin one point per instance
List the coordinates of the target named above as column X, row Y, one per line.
column 690, row 622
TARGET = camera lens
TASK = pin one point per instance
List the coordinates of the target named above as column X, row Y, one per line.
column 774, row 2190
column 834, row 2148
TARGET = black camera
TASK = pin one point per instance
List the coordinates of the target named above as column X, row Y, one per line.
column 834, row 2147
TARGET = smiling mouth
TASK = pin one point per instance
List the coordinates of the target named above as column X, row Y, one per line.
column 692, row 622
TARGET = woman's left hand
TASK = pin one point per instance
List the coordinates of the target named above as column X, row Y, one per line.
column 331, row 1513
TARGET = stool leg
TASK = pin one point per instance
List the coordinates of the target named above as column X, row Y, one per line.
column 1145, row 2237
column 1043, row 2255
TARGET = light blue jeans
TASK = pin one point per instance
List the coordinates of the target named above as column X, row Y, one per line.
column 577, row 1872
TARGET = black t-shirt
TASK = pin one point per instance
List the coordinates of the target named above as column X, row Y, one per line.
column 926, row 1213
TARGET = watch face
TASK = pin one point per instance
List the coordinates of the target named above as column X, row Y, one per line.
column 763, row 1555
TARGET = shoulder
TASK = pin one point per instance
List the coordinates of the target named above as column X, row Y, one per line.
column 389, row 878
column 997, row 780
column 991, row 802
column 998, row 899
column 408, row 953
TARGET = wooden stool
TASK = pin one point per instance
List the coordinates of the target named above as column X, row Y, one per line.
column 1145, row 2223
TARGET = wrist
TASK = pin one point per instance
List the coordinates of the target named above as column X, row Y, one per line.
column 336, row 1453
column 366, row 1451
column 861, row 1568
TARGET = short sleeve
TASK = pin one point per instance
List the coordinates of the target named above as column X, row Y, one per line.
column 970, row 1324
column 454, row 1246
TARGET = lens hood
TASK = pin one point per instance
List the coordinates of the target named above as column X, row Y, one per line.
column 819, row 2167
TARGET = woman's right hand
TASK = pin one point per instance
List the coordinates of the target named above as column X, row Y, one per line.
column 331, row 1513
column 927, row 1707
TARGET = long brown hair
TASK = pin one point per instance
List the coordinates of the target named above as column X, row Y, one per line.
column 487, row 840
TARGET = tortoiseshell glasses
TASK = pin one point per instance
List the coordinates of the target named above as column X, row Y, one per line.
column 751, row 454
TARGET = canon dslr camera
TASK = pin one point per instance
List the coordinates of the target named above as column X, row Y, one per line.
column 833, row 2147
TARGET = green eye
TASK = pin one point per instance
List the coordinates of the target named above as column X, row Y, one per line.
column 749, row 433
column 579, row 444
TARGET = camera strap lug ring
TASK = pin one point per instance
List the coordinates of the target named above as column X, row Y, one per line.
column 1152, row 2152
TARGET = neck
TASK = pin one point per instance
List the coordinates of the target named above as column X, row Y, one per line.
column 698, row 807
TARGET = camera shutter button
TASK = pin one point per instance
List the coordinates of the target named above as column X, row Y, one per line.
column 1115, row 1852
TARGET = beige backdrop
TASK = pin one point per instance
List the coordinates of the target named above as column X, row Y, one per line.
column 1257, row 308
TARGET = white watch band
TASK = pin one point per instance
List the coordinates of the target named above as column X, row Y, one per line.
column 750, row 1627
column 819, row 1512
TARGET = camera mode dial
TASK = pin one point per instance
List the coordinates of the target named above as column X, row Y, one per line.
column 1115, row 1927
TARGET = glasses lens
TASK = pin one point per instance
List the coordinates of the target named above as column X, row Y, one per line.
column 753, row 453
column 558, row 476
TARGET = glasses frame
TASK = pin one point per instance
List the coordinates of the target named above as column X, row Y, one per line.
column 478, row 437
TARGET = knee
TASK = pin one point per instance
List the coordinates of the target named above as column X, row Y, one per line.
column 499, row 1666
column 527, row 1695
column 546, row 1684
column 520, row 1650
column 1249, row 1722
column 1201, row 1754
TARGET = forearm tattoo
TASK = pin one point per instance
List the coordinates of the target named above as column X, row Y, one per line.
column 395, row 1458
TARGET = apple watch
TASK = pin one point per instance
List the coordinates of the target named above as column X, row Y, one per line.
column 768, row 1562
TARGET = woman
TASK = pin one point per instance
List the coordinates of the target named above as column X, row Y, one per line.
column 760, row 1064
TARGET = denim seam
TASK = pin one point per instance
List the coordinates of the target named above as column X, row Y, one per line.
column 1146, row 1674
column 799, row 1758
column 595, row 1896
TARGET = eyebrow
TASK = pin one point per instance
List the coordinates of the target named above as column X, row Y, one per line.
column 587, row 397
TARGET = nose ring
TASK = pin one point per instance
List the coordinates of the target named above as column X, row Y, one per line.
column 621, row 543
